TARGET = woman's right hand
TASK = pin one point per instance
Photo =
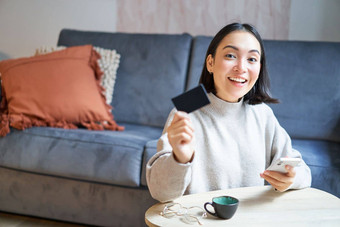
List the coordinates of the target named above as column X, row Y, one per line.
column 180, row 136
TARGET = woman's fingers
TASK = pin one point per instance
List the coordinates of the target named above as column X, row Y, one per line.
column 291, row 171
column 275, row 183
column 180, row 135
column 280, row 181
column 183, row 122
column 181, row 127
column 180, row 115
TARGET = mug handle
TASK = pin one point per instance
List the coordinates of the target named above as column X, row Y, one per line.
column 205, row 207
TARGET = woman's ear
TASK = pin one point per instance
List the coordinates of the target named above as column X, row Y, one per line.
column 210, row 63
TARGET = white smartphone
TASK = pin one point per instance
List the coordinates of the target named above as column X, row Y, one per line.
column 279, row 164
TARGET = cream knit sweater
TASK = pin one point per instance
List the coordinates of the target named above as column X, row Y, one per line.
column 234, row 143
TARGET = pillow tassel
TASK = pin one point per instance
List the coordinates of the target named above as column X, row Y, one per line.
column 61, row 124
column 39, row 123
column 4, row 125
column 112, row 125
column 93, row 126
column 20, row 122
column 71, row 126
column 4, row 121
column 95, row 66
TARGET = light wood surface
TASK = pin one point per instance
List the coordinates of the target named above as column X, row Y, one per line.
column 261, row 206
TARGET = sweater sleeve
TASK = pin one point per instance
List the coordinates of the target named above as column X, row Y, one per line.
column 282, row 147
column 167, row 179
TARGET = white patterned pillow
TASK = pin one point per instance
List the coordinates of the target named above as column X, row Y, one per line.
column 108, row 63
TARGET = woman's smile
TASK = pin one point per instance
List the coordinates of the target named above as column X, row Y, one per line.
column 238, row 81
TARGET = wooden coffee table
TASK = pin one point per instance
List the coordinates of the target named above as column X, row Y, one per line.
column 260, row 206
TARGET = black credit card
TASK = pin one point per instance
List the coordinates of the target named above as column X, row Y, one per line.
column 191, row 100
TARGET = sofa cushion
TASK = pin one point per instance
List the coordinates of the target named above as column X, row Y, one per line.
column 60, row 89
column 149, row 150
column 100, row 156
column 94, row 204
column 305, row 112
column 323, row 158
column 319, row 153
column 152, row 70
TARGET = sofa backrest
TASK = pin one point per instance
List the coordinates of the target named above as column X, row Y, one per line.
column 152, row 70
column 305, row 77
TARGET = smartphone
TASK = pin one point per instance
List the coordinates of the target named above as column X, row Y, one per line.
column 279, row 164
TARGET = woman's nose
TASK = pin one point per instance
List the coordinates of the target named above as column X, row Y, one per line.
column 240, row 66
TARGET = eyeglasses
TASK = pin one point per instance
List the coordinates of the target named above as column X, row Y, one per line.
column 190, row 214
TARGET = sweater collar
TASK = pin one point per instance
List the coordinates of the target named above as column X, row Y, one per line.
column 222, row 107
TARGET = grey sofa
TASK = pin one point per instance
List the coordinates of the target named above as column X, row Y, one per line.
column 98, row 177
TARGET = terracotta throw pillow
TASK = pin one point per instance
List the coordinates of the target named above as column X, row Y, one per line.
column 108, row 63
column 60, row 89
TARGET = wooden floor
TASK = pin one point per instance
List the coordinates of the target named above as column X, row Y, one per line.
column 11, row 220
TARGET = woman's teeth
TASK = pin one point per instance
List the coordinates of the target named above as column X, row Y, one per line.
column 240, row 80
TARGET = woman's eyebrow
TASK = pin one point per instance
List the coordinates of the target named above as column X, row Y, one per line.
column 230, row 46
column 256, row 51
column 235, row 48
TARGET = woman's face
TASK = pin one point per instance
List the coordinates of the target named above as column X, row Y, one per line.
column 236, row 65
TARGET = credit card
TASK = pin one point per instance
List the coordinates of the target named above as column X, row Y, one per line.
column 191, row 100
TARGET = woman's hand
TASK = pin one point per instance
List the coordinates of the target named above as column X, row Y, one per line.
column 180, row 136
column 280, row 181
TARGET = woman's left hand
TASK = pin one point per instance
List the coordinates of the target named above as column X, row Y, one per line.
column 280, row 181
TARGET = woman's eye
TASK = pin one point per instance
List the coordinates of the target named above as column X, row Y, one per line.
column 230, row 56
column 252, row 59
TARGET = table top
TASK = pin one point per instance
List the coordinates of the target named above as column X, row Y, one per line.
column 260, row 206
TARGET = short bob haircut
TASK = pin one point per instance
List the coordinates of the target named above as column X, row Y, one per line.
column 260, row 92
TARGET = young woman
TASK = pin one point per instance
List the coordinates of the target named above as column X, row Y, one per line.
column 230, row 142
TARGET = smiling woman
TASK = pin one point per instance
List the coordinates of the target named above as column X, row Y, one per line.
column 230, row 142
column 235, row 66
column 239, row 52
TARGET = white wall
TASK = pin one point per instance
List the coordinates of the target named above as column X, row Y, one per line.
column 315, row 20
column 204, row 17
column 29, row 24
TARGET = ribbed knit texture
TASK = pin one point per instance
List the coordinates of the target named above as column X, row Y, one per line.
column 234, row 143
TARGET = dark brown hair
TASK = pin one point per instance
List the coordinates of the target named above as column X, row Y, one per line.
column 260, row 91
